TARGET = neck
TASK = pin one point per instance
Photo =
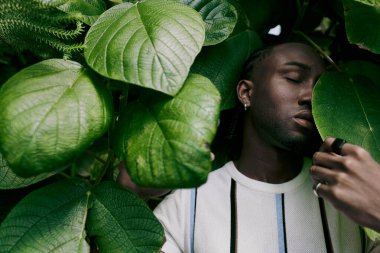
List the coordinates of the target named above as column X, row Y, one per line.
column 264, row 162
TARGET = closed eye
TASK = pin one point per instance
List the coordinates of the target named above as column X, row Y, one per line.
column 293, row 80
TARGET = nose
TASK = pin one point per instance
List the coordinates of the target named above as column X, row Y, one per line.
column 306, row 95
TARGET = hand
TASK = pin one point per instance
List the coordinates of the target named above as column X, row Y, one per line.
column 125, row 180
column 350, row 181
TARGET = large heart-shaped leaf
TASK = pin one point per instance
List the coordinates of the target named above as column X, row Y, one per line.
column 165, row 141
column 362, row 18
column 222, row 63
column 10, row 180
column 86, row 11
column 363, row 68
column 50, row 219
column 151, row 43
column 122, row 222
column 50, row 113
column 346, row 105
column 220, row 17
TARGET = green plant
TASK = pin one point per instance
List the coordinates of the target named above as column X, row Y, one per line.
column 88, row 83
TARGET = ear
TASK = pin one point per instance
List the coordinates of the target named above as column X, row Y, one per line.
column 244, row 91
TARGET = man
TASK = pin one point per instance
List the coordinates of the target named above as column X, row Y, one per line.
column 264, row 201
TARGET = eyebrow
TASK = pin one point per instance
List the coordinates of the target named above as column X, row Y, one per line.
column 298, row 64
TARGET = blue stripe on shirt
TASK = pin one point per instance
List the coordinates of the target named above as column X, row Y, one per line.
column 280, row 223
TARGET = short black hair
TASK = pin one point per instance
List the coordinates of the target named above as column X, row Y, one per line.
column 260, row 54
column 255, row 58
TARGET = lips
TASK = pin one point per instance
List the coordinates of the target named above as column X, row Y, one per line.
column 304, row 119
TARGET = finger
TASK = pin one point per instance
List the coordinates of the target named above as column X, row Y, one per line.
column 323, row 190
column 346, row 148
column 325, row 147
column 327, row 160
column 324, row 175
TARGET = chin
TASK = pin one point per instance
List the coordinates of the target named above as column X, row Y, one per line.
column 299, row 146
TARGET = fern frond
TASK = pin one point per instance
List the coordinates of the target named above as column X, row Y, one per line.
column 25, row 23
column 67, row 50
column 51, row 3
column 12, row 24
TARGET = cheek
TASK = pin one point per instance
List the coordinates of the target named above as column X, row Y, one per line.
column 267, row 110
column 275, row 112
column 278, row 101
column 284, row 99
column 276, row 97
column 284, row 93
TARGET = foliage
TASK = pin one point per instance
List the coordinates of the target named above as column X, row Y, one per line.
column 358, row 14
column 63, row 125
column 35, row 26
column 53, row 219
column 88, row 83
column 177, row 133
column 356, row 88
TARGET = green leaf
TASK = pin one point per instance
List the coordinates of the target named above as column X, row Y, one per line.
column 86, row 11
column 363, row 68
column 165, row 141
column 50, row 219
column 91, row 164
column 150, row 44
column 374, row 236
column 346, row 105
column 242, row 23
column 362, row 18
column 220, row 17
column 10, row 180
column 95, row 160
column 121, row 222
column 50, row 113
column 222, row 64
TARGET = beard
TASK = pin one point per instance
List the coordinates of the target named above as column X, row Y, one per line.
column 281, row 132
column 295, row 145
column 299, row 142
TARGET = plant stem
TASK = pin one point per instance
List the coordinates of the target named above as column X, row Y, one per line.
column 64, row 175
column 106, row 167
column 95, row 156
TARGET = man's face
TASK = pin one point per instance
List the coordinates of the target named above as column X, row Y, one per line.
column 281, row 96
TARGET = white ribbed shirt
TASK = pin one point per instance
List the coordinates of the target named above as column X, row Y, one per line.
column 270, row 218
